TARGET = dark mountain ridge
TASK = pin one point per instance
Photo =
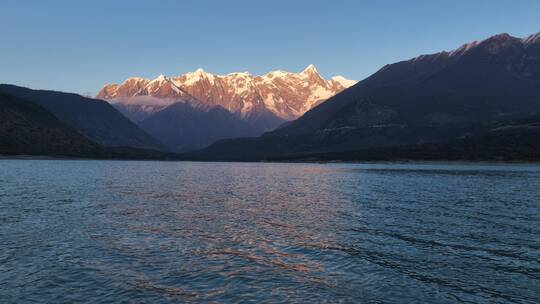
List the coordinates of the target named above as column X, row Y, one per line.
column 505, row 141
column 500, row 63
column 429, row 99
column 95, row 119
column 27, row 128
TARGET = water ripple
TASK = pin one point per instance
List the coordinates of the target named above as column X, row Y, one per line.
column 167, row 232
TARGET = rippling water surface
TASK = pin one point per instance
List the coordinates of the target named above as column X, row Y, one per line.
column 170, row 232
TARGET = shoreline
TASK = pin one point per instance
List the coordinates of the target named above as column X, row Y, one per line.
column 397, row 161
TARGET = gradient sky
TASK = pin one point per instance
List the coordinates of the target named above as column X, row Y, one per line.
column 78, row 46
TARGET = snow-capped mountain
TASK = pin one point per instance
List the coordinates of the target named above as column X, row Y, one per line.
column 480, row 99
column 282, row 94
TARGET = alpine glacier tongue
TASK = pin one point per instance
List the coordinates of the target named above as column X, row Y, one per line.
column 283, row 94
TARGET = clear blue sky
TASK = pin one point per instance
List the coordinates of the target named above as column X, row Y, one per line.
column 80, row 45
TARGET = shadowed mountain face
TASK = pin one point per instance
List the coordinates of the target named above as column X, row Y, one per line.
column 504, row 141
column 429, row 99
column 184, row 126
column 27, row 128
column 96, row 119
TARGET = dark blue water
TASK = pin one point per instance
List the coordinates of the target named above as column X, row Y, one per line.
column 173, row 232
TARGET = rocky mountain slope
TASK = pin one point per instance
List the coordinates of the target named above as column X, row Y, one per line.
column 27, row 128
column 95, row 119
column 429, row 99
column 265, row 100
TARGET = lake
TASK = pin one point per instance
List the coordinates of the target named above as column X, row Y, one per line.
column 76, row 231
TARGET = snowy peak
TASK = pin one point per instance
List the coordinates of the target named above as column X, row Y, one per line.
column 344, row 82
column 129, row 87
column 463, row 49
column 163, row 87
column 194, row 77
column 310, row 69
column 533, row 39
column 136, row 80
column 312, row 75
column 160, row 78
column 495, row 43
column 285, row 94
column 200, row 73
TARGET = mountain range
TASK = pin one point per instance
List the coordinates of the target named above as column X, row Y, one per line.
column 38, row 127
column 480, row 101
column 256, row 104
column 283, row 95
column 27, row 128
column 439, row 98
column 95, row 119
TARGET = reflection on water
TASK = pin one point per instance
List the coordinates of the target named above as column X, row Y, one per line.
column 166, row 232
